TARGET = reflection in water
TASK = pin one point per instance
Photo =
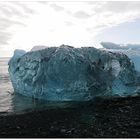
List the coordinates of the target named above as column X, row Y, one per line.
column 21, row 103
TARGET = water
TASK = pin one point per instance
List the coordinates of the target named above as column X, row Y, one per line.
column 11, row 102
column 5, row 87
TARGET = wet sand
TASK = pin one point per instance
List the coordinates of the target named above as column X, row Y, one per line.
column 117, row 118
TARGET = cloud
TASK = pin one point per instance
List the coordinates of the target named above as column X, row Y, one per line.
column 4, row 37
column 122, row 6
column 57, row 7
column 12, row 14
column 23, row 24
column 81, row 15
column 25, row 7
column 69, row 23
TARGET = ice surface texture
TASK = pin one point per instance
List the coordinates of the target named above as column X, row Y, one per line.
column 66, row 73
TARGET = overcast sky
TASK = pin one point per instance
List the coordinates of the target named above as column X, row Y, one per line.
column 26, row 24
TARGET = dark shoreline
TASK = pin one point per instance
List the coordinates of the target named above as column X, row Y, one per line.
column 114, row 118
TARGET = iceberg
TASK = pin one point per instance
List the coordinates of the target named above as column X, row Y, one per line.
column 38, row 47
column 114, row 46
column 66, row 73
column 131, row 50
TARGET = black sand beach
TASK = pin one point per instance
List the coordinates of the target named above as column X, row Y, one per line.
column 118, row 118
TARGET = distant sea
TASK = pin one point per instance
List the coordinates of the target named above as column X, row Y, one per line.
column 11, row 102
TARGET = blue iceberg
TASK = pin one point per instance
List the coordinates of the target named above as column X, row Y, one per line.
column 66, row 73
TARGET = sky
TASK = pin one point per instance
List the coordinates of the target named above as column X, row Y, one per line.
column 30, row 23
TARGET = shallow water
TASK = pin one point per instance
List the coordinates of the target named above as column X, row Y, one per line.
column 16, row 103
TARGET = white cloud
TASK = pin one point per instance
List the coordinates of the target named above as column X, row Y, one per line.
column 82, row 15
column 57, row 7
column 24, row 24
